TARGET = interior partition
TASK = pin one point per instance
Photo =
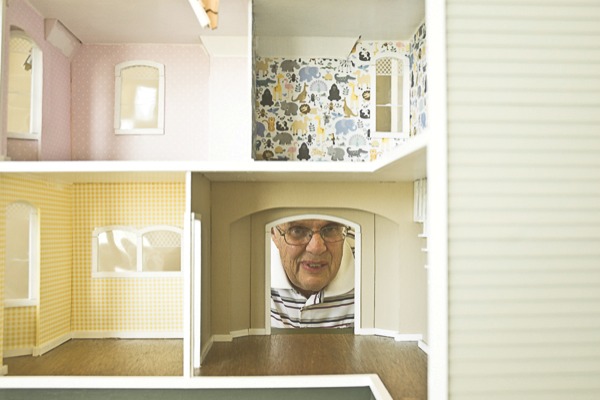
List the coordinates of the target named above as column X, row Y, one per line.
column 30, row 330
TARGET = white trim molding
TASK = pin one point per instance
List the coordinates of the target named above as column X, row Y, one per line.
column 221, row 338
column 24, row 351
column 127, row 335
column 46, row 347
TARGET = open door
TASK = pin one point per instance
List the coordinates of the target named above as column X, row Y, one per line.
column 196, row 306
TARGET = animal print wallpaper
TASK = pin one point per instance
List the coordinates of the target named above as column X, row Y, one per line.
column 319, row 109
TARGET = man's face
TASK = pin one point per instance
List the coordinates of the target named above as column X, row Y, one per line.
column 312, row 266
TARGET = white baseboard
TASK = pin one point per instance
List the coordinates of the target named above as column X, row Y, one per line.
column 127, row 335
column 221, row 338
column 26, row 351
column 397, row 336
column 206, row 349
column 408, row 337
column 245, row 332
column 46, row 347
column 240, row 333
column 424, row 346
column 4, row 370
column 257, row 332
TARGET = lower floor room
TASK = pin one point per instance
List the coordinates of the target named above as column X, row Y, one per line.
column 402, row 366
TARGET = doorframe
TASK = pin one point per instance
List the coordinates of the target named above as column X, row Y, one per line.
column 437, row 194
column 196, row 291
column 357, row 264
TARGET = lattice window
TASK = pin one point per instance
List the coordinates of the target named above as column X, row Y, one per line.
column 123, row 251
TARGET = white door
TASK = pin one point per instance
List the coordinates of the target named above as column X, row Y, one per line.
column 196, row 273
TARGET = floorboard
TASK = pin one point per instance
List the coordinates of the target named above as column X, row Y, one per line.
column 104, row 357
column 401, row 366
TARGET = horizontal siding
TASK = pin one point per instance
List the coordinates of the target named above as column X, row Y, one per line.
column 524, row 199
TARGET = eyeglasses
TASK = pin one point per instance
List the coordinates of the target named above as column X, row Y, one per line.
column 301, row 236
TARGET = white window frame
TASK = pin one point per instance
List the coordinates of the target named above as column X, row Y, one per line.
column 160, row 129
column 37, row 74
column 397, row 132
column 139, row 233
column 34, row 261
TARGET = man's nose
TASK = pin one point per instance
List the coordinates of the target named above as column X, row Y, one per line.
column 316, row 244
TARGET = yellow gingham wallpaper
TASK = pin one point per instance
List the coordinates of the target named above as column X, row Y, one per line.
column 69, row 299
column 20, row 328
column 124, row 304
column 55, row 204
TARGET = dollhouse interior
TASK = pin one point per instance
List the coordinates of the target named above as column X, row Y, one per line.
column 271, row 114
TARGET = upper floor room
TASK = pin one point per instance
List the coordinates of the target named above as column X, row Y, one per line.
column 258, row 80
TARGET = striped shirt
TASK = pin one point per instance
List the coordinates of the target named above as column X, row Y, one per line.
column 332, row 307
column 290, row 309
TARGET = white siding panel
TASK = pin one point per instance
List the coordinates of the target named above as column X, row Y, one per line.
column 524, row 84
column 518, row 40
column 478, row 9
column 524, row 199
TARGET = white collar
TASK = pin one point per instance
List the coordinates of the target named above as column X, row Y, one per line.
column 342, row 283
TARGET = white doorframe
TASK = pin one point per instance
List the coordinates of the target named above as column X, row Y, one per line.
column 196, row 290
column 437, row 194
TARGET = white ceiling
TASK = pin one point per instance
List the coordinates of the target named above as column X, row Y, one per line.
column 373, row 19
column 172, row 21
column 141, row 21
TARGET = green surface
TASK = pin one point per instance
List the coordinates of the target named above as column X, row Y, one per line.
column 355, row 393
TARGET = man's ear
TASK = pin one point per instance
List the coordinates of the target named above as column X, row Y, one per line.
column 276, row 238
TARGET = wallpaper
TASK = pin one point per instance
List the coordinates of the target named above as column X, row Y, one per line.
column 124, row 304
column 418, row 87
column 319, row 109
column 186, row 104
column 19, row 331
column 70, row 301
column 56, row 110
column 54, row 202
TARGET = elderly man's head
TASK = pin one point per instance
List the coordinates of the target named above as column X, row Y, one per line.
column 311, row 252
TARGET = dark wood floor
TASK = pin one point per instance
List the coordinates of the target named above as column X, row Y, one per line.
column 104, row 357
column 402, row 367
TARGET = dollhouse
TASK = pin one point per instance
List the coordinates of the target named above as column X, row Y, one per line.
column 245, row 129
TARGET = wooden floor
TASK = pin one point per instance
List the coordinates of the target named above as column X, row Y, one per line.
column 104, row 357
column 402, row 367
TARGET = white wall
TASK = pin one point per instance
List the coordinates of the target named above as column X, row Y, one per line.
column 524, row 202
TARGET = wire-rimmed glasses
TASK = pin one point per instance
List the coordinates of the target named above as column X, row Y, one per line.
column 301, row 235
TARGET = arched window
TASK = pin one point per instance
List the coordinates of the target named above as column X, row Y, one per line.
column 24, row 118
column 139, row 98
column 124, row 251
column 21, row 279
column 390, row 88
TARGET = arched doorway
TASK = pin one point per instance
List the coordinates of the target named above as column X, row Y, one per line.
column 351, row 259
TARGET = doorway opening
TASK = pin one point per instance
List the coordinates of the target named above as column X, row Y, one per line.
column 348, row 277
